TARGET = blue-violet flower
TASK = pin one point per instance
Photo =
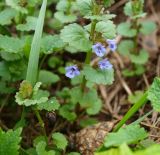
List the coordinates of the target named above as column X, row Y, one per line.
column 99, row 49
column 72, row 71
column 112, row 44
column 105, row 64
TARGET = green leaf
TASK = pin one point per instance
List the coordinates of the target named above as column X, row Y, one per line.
column 76, row 94
column 100, row 17
column 88, row 122
column 125, row 150
column 125, row 47
column 4, row 89
column 16, row 5
column 122, row 150
column 135, row 97
column 51, row 44
column 105, row 77
column 138, row 70
column 9, row 142
column 4, row 71
column 130, row 134
column 66, row 111
column 125, row 30
column 128, row 9
column 85, row 7
column 134, row 10
column 10, row 56
column 59, row 140
column 63, row 18
column 51, row 105
column 40, row 149
column 140, row 58
column 76, row 37
column 6, row 16
column 107, row 29
column 38, row 139
column 36, row 98
column 32, row 70
column 91, row 102
column 147, row 27
column 108, row 3
column 54, row 62
column 62, row 5
column 11, row 44
column 29, row 25
column 47, row 77
column 154, row 94
column 154, row 149
column 65, row 6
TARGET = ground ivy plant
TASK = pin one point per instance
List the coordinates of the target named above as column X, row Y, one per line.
column 24, row 57
column 131, row 30
column 92, row 39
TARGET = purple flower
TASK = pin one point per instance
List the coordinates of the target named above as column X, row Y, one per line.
column 99, row 49
column 105, row 64
column 112, row 44
column 72, row 71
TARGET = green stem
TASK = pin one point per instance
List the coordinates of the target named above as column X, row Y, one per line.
column 135, row 25
column 69, row 7
column 131, row 111
column 89, row 53
column 41, row 123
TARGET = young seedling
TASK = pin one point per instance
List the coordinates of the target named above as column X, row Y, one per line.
column 131, row 30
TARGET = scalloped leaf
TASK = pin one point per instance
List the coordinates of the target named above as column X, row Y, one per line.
column 107, row 29
column 51, row 43
column 9, row 142
column 130, row 134
column 59, row 140
column 154, row 94
column 7, row 15
column 29, row 25
column 76, row 37
column 141, row 58
column 51, row 105
column 125, row 30
column 85, row 7
column 63, row 18
column 11, row 44
column 147, row 27
column 47, row 77
column 105, row 77
column 41, row 149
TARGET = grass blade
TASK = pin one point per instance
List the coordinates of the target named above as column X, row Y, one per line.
column 132, row 111
column 32, row 70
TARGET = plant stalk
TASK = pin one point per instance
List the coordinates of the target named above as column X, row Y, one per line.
column 89, row 53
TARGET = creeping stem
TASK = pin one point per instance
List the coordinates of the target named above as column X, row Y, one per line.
column 89, row 53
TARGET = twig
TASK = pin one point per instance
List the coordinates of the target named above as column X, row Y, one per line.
column 124, row 84
column 104, row 95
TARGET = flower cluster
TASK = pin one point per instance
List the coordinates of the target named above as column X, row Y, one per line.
column 99, row 50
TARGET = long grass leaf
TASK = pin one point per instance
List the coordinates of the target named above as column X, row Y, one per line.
column 32, row 70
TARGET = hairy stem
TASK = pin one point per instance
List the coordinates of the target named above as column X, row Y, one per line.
column 89, row 53
column 41, row 123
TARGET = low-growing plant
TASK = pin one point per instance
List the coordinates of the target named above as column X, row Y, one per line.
column 131, row 30
column 65, row 89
